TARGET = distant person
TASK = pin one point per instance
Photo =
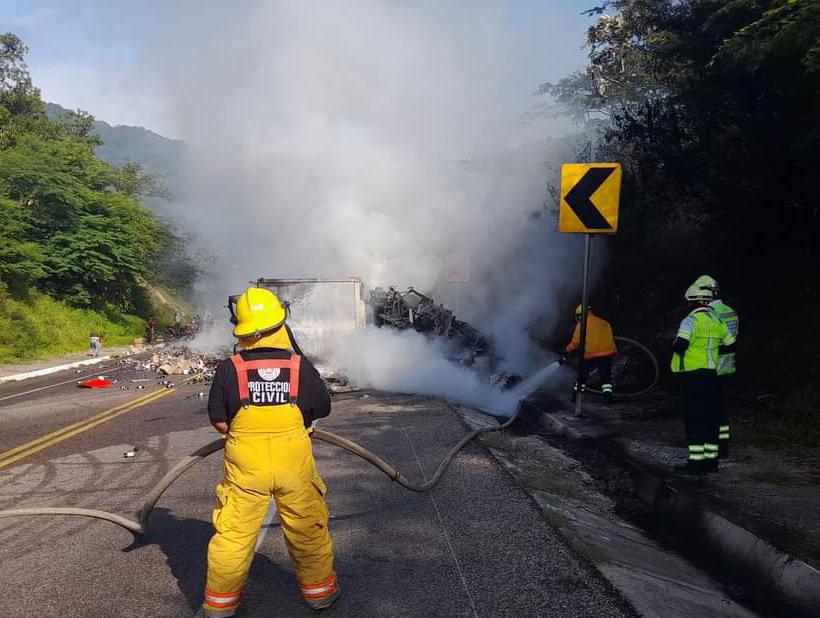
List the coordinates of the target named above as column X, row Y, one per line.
column 150, row 328
column 265, row 399
column 177, row 319
column 95, row 341
column 727, row 362
column 598, row 352
column 695, row 360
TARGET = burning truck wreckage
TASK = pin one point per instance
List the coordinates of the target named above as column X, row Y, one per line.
column 322, row 310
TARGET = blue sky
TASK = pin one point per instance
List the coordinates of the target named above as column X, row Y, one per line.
column 92, row 54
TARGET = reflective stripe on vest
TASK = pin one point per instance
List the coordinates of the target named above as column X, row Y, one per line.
column 727, row 315
column 727, row 363
column 704, row 331
column 242, row 368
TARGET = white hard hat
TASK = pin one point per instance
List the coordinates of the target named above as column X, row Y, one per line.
column 705, row 281
column 698, row 293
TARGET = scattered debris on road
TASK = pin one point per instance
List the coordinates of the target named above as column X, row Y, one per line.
column 182, row 361
column 175, row 361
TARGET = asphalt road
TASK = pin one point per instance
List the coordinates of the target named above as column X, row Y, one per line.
column 475, row 546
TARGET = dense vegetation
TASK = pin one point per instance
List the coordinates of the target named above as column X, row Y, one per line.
column 712, row 107
column 71, row 225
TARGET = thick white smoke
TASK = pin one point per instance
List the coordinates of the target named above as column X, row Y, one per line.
column 373, row 139
column 408, row 362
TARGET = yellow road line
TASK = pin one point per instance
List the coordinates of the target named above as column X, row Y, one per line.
column 48, row 436
column 9, row 457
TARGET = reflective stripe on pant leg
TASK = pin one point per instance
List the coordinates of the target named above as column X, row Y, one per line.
column 320, row 590
column 696, row 452
column 724, row 432
column 606, row 388
column 221, row 600
column 710, row 451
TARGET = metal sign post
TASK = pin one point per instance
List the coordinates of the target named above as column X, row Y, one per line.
column 583, row 327
column 590, row 201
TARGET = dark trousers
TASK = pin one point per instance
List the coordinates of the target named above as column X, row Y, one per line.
column 604, row 366
column 723, row 416
column 700, row 397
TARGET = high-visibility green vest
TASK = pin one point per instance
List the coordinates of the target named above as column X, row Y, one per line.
column 727, row 362
column 705, row 333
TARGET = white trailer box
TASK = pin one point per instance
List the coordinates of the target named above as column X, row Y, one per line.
column 320, row 311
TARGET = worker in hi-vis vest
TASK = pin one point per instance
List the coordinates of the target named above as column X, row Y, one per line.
column 727, row 361
column 264, row 399
column 598, row 352
column 695, row 360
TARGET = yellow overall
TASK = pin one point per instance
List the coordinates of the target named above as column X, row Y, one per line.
column 268, row 455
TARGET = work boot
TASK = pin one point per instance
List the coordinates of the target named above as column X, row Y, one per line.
column 710, row 466
column 607, row 397
column 694, row 468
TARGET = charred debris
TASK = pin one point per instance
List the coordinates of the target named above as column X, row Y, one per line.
column 412, row 310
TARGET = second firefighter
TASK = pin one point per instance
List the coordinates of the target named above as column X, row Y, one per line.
column 599, row 349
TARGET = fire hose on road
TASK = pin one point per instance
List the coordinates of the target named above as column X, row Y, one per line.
column 140, row 526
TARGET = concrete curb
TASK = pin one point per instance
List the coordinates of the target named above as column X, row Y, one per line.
column 18, row 377
column 651, row 578
column 790, row 581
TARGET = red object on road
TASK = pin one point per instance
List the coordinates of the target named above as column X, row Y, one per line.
column 95, row 383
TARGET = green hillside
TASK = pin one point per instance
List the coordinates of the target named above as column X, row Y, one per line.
column 126, row 144
column 79, row 251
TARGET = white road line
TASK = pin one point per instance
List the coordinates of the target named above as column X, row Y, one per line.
column 45, row 371
column 443, row 528
column 42, row 388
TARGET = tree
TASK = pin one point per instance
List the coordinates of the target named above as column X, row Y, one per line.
column 17, row 93
column 689, row 95
column 80, row 125
column 711, row 106
column 94, row 245
column 21, row 110
column 131, row 180
column 70, row 223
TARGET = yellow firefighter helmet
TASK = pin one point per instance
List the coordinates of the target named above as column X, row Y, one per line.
column 258, row 311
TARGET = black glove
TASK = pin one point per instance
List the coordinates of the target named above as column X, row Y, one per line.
column 562, row 359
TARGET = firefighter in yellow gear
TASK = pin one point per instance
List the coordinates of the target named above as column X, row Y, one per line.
column 599, row 350
column 264, row 399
